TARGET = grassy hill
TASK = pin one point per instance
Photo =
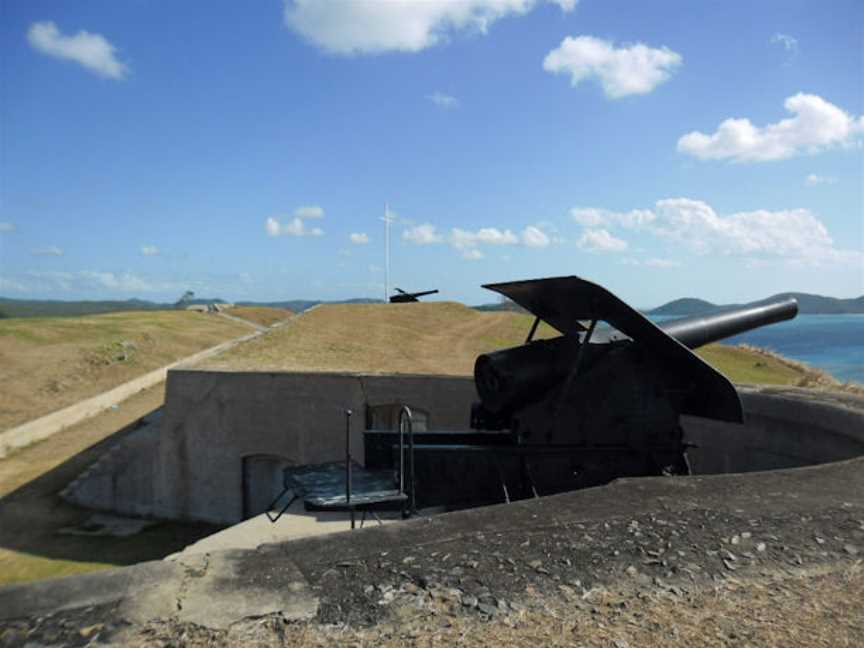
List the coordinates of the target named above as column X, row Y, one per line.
column 63, row 308
column 261, row 315
column 49, row 363
column 425, row 337
column 443, row 338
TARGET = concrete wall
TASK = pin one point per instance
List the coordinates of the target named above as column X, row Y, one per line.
column 214, row 423
column 121, row 480
column 213, row 420
column 783, row 428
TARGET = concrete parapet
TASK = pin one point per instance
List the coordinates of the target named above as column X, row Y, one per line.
column 226, row 436
column 213, row 420
column 783, row 428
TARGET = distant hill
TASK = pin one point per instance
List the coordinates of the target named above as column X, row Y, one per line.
column 506, row 306
column 300, row 305
column 59, row 308
column 807, row 305
column 62, row 308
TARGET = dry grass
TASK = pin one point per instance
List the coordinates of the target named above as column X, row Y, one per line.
column 808, row 376
column 263, row 315
column 429, row 338
column 802, row 610
column 746, row 366
column 806, row 611
column 445, row 338
column 49, row 363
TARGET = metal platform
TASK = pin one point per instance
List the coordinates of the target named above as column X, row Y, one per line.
column 323, row 487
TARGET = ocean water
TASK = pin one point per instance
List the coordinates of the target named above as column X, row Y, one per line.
column 833, row 343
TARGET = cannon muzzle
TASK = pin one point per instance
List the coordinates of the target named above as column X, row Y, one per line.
column 694, row 332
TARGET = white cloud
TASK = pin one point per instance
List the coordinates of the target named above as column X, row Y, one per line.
column 359, row 238
column 589, row 216
column 472, row 254
column 622, row 71
column 294, row 227
column 794, row 233
column 7, row 284
column 50, row 250
column 461, row 239
column 469, row 242
column 92, row 280
column 791, row 235
column 662, row 263
column 817, row 125
column 149, row 250
column 789, row 43
column 812, row 180
column 535, row 237
column 395, row 218
column 92, row 51
column 375, row 26
column 424, row 234
column 124, row 281
column 600, row 240
column 442, row 100
column 309, row 211
column 7, row 227
column 651, row 263
column 593, row 217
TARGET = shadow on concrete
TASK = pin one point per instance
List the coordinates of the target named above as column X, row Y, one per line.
column 32, row 515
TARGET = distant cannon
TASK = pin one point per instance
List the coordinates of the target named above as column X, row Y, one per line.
column 405, row 297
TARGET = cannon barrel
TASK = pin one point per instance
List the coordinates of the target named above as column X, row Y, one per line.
column 694, row 332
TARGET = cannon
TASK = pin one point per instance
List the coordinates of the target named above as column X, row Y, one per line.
column 601, row 400
column 608, row 393
column 405, row 297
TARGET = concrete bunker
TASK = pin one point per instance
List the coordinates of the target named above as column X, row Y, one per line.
column 226, row 437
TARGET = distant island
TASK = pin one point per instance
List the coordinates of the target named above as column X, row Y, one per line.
column 62, row 308
column 807, row 305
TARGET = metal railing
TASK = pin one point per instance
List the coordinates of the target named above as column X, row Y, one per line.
column 406, row 420
column 406, row 424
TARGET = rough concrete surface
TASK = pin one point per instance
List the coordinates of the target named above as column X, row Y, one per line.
column 213, row 590
column 295, row 523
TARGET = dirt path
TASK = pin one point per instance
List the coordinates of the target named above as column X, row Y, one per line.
column 31, row 511
column 240, row 320
column 47, row 364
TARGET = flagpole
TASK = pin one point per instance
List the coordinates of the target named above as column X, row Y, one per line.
column 386, row 253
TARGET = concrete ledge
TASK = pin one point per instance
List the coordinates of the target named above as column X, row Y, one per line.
column 50, row 424
column 212, row 590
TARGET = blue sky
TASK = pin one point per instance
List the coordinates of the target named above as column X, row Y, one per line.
column 663, row 149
